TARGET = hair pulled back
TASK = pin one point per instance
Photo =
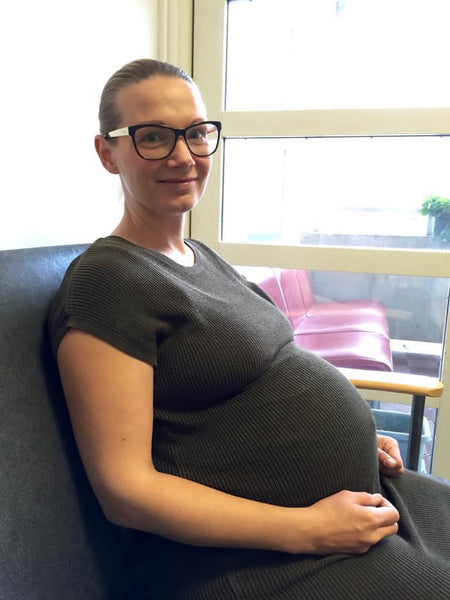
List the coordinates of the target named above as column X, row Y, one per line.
column 132, row 72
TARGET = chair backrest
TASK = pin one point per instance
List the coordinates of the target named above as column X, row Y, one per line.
column 54, row 541
column 297, row 290
column 290, row 289
column 268, row 280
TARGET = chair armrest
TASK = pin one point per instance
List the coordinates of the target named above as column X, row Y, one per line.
column 416, row 385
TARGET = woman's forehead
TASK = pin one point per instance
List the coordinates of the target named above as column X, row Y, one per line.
column 159, row 98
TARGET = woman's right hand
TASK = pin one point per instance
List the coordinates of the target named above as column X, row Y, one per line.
column 349, row 522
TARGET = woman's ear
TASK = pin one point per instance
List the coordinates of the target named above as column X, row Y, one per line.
column 105, row 153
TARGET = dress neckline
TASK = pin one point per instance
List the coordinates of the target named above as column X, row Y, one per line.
column 156, row 253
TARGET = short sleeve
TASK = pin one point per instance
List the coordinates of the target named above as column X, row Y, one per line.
column 107, row 293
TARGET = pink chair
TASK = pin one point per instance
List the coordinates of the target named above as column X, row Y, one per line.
column 352, row 334
column 362, row 315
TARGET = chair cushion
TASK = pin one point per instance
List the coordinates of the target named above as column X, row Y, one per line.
column 355, row 350
column 340, row 321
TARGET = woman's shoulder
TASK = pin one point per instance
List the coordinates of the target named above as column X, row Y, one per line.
column 204, row 250
column 106, row 272
column 101, row 294
column 111, row 260
column 108, row 252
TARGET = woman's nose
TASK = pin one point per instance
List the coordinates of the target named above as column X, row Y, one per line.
column 181, row 154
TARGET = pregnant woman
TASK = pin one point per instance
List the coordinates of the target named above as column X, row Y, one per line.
column 246, row 467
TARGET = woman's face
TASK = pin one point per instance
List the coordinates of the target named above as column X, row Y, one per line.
column 166, row 187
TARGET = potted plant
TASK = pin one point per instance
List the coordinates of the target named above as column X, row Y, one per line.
column 438, row 208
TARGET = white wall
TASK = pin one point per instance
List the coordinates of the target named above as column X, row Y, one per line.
column 54, row 60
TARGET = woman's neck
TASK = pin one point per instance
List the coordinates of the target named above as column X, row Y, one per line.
column 167, row 238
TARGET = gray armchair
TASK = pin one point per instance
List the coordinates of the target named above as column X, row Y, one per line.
column 54, row 540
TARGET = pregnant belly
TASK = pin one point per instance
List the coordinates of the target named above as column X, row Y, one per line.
column 299, row 433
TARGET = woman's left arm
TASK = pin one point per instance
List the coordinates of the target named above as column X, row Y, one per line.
column 389, row 457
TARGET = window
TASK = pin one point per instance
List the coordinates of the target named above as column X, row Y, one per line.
column 328, row 54
column 332, row 141
column 344, row 191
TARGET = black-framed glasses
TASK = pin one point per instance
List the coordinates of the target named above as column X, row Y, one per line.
column 154, row 142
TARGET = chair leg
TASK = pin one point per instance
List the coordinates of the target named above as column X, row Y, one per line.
column 415, row 432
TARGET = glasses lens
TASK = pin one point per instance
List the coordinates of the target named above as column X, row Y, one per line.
column 202, row 139
column 154, row 142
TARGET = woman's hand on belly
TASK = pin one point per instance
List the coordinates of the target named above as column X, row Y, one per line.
column 349, row 522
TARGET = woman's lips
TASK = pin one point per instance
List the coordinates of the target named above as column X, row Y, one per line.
column 183, row 181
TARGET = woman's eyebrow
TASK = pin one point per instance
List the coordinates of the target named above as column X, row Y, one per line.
column 157, row 122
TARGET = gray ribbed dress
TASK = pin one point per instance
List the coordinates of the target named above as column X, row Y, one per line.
column 239, row 407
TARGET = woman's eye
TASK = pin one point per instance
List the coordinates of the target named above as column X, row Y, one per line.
column 153, row 137
column 198, row 133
